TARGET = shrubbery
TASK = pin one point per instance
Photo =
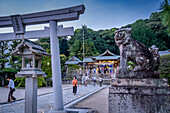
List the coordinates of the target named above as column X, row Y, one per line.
column 72, row 70
column 164, row 67
column 20, row 82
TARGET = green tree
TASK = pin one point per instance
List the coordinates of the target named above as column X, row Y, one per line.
column 9, row 65
column 165, row 14
column 45, row 42
column 87, row 50
column 76, row 42
column 75, row 49
column 142, row 33
column 4, row 54
column 100, row 44
column 108, row 37
column 78, row 34
column 155, row 23
column 161, row 38
column 15, row 61
column 46, row 67
column 63, row 59
column 64, row 46
column 164, row 67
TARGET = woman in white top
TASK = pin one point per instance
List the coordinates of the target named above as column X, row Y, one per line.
column 12, row 89
column 94, row 80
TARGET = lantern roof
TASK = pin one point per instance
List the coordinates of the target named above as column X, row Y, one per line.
column 32, row 47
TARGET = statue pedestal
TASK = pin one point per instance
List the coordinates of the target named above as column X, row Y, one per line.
column 139, row 96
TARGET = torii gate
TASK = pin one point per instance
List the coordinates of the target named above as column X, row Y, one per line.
column 18, row 22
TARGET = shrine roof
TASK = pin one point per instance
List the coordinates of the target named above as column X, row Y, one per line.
column 73, row 60
column 107, row 55
column 89, row 59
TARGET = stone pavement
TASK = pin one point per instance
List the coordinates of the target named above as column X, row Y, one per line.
column 20, row 92
column 45, row 102
column 97, row 102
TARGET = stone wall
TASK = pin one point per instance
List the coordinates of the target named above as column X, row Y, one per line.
column 139, row 96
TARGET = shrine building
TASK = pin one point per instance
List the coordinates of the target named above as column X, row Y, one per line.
column 95, row 64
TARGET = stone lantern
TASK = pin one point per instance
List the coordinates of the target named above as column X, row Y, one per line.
column 31, row 53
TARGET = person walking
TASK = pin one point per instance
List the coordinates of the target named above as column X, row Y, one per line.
column 94, row 70
column 100, row 81
column 94, row 80
column 82, row 79
column 86, row 79
column 111, row 71
column 11, row 85
column 75, row 83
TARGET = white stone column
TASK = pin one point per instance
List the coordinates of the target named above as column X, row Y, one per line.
column 30, row 94
column 56, row 69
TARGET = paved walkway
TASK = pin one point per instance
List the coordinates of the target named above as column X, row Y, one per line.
column 20, row 92
column 97, row 102
column 45, row 102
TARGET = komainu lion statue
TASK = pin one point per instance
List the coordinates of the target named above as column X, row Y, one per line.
column 146, row 60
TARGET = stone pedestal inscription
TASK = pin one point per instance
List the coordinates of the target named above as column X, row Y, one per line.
column 139, row 96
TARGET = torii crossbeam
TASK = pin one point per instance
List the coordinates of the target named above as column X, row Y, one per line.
column 59, row 15
column 61, row 32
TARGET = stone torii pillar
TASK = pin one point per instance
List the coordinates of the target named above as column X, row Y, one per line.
column 56, row 68
column 18, row 22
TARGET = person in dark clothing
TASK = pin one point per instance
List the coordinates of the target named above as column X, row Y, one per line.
column 11, row 85
column 100, row 81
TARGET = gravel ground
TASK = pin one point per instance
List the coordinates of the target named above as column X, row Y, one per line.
column 98, row 101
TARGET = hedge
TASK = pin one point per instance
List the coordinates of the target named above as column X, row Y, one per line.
column 164, row 68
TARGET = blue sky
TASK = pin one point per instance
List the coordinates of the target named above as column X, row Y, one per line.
column 99, row 14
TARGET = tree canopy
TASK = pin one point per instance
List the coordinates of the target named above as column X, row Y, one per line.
column 165, row 14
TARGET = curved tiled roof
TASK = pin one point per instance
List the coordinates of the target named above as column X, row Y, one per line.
column 73, row 60
column 107, row 55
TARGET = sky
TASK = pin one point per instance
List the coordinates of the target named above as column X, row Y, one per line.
column 99, row 14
